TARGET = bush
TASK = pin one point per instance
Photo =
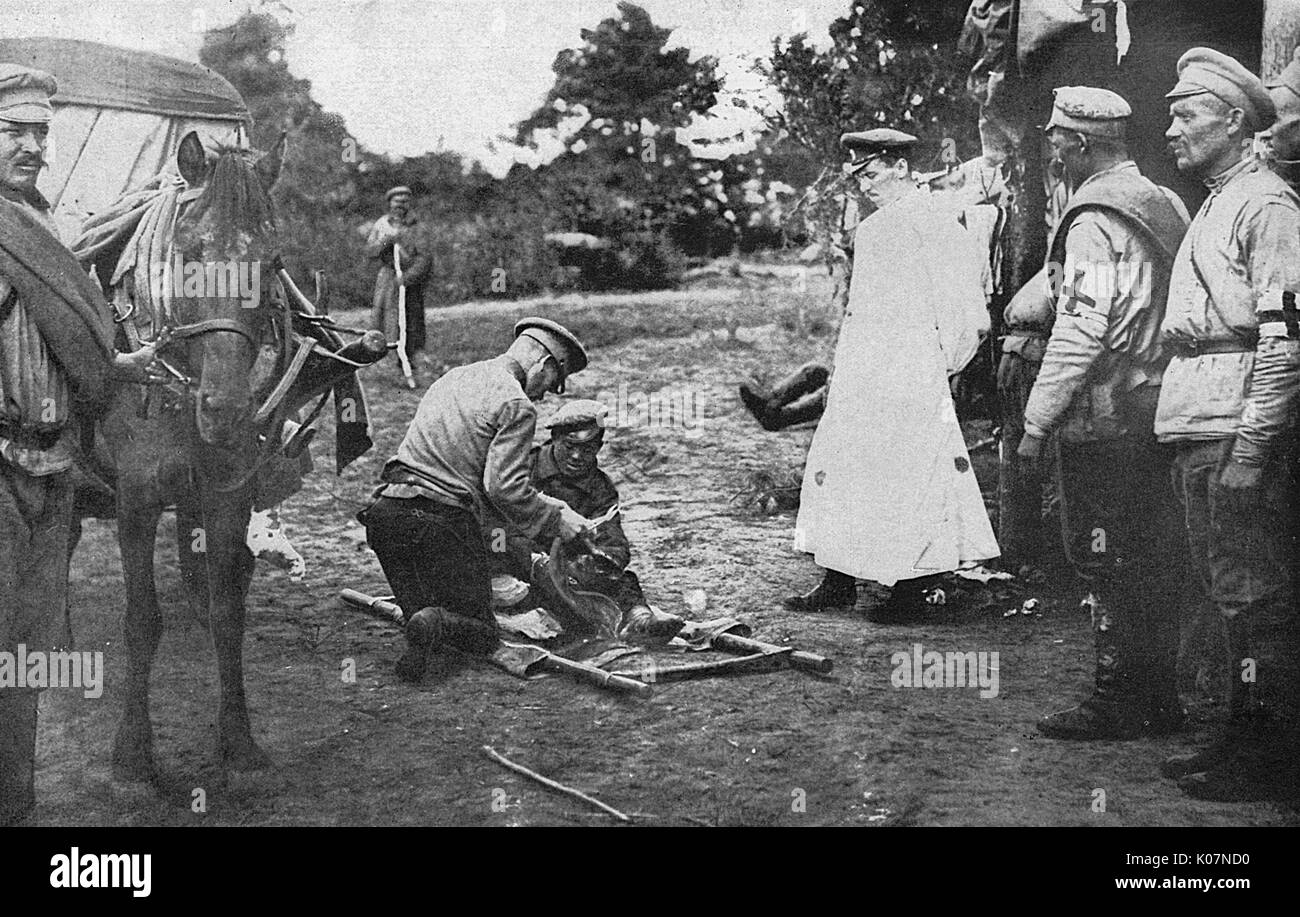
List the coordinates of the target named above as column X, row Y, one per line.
column 648, row 261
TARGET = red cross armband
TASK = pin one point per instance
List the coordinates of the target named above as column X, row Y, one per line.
column 1278, row 316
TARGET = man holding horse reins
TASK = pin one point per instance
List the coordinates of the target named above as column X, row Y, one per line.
column 56, row 365
column 464, row 466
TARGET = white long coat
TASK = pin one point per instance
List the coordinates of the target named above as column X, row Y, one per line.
column 888, row 491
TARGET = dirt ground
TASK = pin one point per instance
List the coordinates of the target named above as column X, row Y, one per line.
column 783, row 748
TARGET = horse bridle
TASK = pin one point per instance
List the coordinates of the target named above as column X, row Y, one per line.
column 178, row 333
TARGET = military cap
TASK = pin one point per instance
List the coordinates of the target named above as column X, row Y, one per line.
column 1290, row 76
column 400, row 189
column 868, row 145
column 1095, row 112
column 579, row 421
column 1206, row 70
column 558, row 341
column 25, row 95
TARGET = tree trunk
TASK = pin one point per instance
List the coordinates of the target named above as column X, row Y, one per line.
column 1281, row 36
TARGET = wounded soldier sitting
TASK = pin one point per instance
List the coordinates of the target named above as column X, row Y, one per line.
column 565, row 467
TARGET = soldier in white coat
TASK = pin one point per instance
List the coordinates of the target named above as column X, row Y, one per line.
column 889, row 493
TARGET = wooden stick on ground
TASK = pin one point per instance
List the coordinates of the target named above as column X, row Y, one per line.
column 547, row 782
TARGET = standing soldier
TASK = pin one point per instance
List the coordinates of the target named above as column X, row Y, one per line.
column 1109, row 259
column 888, row 490
column 402, row 229
column 1227, row 404
column 462, row 467
column 56, row 363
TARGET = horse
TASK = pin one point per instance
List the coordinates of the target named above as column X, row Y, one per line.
column 199, row 449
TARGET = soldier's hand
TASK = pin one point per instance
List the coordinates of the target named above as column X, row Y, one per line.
column 572, row 525
column 1031, row 451
column 1241, row 483
column 140, row 365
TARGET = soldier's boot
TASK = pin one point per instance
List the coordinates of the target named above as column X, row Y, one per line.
column 17, row 756
column 836, row 590
column 769, row 406
column 1262, row 761
column 907, row 600
column 1246, row 715
column 1111, row 712
column 808, row 408
column 642, row 623
column 423, row 638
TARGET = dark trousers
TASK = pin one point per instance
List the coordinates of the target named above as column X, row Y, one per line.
column 35, row 515
column 1244, row 557
column 1020, row 488
column 434, row 555
column 1120, row 527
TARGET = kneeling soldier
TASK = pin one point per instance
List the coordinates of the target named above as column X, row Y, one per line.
column 462, row 467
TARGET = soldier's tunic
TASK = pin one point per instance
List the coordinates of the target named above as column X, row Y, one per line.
column 888, row 491
column 592, row 496
column 1096, row 391
column 1229, row 394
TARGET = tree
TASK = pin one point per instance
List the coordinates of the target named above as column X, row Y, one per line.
column 318, row 183
column 604, row 150
column 891, row 63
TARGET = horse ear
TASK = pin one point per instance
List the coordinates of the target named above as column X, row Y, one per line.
column 191, row 160
column 268, row 167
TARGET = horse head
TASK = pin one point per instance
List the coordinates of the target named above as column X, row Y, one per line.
column 225, row 242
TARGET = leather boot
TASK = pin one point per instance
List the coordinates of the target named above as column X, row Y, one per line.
column 644, row 624
column 423, row 637
column 907, row 601
column 836, row 590
column 1112, row 712
column 766, row 405
column 808, row 408
column 1247, row 720
column 1262, row 761
column 17, row 756
column 1263, row 764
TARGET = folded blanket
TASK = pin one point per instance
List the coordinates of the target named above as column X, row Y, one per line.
column 67, row 306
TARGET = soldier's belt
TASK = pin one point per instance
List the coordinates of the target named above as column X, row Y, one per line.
column 1204, row 348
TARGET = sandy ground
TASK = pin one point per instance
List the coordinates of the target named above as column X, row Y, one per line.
column 779, row 748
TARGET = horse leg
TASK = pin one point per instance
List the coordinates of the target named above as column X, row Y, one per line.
column 230, row 570
column 137, row 529
column 191, row 550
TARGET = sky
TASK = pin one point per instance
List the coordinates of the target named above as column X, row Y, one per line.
column 410, row 76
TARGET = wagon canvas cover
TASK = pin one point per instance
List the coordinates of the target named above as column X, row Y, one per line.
column 119, row 116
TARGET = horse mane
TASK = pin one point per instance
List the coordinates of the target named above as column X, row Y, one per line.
column 233, row 204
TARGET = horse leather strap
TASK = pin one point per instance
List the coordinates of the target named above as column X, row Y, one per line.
column 282, row 387
column 211, row 325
